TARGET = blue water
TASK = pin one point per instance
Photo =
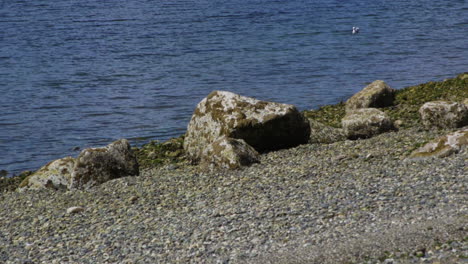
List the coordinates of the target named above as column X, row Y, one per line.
column 85, row 73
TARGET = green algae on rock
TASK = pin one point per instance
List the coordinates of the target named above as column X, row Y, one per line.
column 406, row 104
column 11, row 183
column 155, row 153
column 443, row 146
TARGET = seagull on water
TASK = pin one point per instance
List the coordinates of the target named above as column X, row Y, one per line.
column 355, row 30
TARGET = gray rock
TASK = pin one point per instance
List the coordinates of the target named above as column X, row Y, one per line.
column 228, row 153
column 320, row 133
column 365, row 123
column 443, row 114
column 443, row 146
column 377, row 94
column 54, row 175
column 263, row 125
column 98, row 165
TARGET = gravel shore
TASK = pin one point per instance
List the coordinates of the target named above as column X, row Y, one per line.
column 347, row 202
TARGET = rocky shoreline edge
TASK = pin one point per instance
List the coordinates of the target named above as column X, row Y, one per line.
column 356, row 201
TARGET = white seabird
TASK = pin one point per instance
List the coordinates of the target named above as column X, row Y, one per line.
column 355, row 30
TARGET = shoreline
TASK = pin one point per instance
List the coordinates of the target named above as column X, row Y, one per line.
column 302, row 204
column 411, row 98
column 326, row 110
column 346, row 201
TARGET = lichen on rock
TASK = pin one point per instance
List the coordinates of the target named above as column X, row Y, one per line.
column 443, row 146
column 443, row 114
column 263, row 125
column 228, row 153
column 365, row 123
column 54, row 175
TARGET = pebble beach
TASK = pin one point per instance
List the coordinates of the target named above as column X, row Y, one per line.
column 358, row 201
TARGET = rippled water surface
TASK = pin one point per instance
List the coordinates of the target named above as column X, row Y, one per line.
column 85, row 73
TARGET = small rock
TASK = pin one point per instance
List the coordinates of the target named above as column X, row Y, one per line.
column 133, row 199
column 75, row 210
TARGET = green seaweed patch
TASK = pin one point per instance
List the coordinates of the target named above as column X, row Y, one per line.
column 407, row 102
column 329, row 115
column 410, row 99
column 11, row 183
column 155, row 153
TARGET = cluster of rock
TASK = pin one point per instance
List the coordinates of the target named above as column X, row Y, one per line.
column 229, row 131
column 443, row 115
column 92, row 167
column 363, row 119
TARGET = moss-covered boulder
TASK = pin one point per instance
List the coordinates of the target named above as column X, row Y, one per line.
column 365, row 123
column 228, row 153
column 263, row 125
column 443, row 146
column 375, row 95
column 321, row 133
column 98, row 165
column 54, row 175
column 443, row 114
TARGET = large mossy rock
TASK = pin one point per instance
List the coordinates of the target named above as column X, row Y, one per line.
column 98, row 165
column 375, row 95
column 443, row 114
column 228, row 153
column 54, row 175
column 263, row 125
column 365, row 123
column 443, row 146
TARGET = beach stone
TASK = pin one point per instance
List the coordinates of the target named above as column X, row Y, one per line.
column 321, row 133
column 228, row 153
column 365, row 123
column 375, row 95
column 443, row 146
column 443, row 114
column 263, row 125
column 75, row 210
column 98, row 165
column 54, row 175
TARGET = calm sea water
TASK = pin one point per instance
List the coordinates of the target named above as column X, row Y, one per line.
column 85, row 73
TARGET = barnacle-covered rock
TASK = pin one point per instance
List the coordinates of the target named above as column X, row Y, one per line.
column 375, row 95
column 228, row 153
column 263, row 125
column 98, row 165
column 365, row 123
column 444, row 114
column 54, row 175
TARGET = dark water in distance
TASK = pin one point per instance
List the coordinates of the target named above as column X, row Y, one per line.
column 85, row 73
